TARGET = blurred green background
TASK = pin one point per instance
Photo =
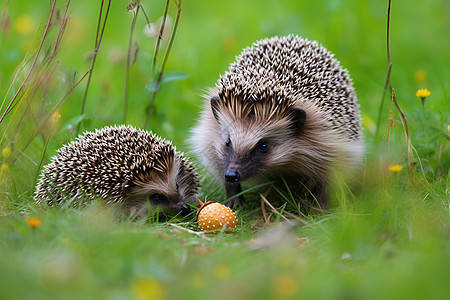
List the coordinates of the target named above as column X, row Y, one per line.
column 211, row 34
column 390, row 240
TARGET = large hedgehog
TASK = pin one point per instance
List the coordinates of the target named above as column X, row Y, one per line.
column 134, row 168
column 285, row 108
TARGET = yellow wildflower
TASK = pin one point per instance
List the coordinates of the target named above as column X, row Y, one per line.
column 395, row 168
column 222, row 272
column 147, row 289
column 56, row 115
column 34, row 222
column 285, row 287
column 6, row 152
column 423, row 93
column 420, row 76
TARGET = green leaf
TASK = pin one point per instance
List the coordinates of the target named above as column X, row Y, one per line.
column 167, row 77
column 174, row 76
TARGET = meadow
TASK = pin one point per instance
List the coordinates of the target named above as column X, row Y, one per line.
column 71, row 66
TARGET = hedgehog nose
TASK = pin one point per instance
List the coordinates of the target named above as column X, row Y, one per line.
column 232, row 176
column 185, row 209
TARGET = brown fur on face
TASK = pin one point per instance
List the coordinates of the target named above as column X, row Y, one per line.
column 165, row 187
column 290, row 149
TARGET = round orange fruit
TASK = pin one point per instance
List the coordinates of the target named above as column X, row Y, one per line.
column 214, row 217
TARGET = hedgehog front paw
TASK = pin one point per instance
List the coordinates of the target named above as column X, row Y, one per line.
column 232, row 203
column 233, row 190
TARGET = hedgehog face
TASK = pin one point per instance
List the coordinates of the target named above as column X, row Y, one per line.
column 252, row 143
column 166, row 188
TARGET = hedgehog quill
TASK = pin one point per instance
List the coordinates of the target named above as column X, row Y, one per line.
column 284, row 109
column 133, row 168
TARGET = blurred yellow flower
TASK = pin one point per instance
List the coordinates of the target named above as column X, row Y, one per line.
column 420, row 76
column 222, row 271
column 4, row 169
column 56, row 115
column 34, row 222
column 6, row 152
column 24, row 25
column 285, row 287
column 148, row 289
column 395, row 168
column 423, row 93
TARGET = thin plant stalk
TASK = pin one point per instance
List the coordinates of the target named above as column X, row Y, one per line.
column 145, row 14
column 16, row 74
column 99, row 37
column 424, row 119
column 60, row 33
column 390, row 123
column 37, row 85
column 33, row 135
column 127, row 77
column 160, row 35
column 45, row 146
column 38, row 81
column 388, row 75
column 280, row 214
column 406, row 130
column 160, row 75
column 46, row 31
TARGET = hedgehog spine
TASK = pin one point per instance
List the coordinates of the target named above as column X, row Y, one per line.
column 120, row 164
column 285, row 107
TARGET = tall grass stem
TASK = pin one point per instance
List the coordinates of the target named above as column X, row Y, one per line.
column 160, row 75
column 45, row 148
column 406, row 130
column 46, row 31
column 99, row 37
column 127, row 76
column 388, row 75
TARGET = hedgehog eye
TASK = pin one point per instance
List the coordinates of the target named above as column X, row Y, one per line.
column 177, row 186
column 262, row 146
column 158, row 198
column 228, row 143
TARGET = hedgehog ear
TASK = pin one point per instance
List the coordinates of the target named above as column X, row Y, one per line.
column 215, row 100
column 298, row 118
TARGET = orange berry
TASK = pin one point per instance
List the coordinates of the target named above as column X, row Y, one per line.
column 213, row 217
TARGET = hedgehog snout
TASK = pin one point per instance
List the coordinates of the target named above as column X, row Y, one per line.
column 184, row 209
column 232, row 176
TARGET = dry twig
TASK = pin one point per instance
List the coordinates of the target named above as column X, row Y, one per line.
column 273, row 208
column 199, row 234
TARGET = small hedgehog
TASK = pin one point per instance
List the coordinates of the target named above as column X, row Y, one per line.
column 134, row 168
column 285, row 109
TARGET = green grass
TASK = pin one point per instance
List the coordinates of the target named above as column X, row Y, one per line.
column 385, row 237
